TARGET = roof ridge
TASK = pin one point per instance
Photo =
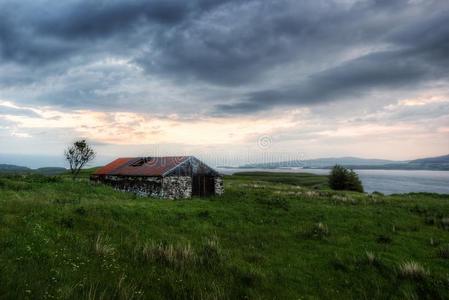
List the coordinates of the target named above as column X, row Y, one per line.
column 152, row 166
column 186, row 158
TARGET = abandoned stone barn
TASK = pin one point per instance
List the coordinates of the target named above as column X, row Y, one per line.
column 165, row 177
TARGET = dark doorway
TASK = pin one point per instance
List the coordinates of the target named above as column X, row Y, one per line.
column 203, row 185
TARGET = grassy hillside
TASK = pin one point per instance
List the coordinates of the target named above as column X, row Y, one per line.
column 6, row 169
column 270, row 236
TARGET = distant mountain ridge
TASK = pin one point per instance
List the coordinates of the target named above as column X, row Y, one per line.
column 438, row 162
column 14, row 169
column 431, row 163
column 437, row 159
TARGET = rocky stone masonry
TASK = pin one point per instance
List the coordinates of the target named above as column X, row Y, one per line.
column 176, row 187
column 219, row 186
column 171, row 187
column 142, row 186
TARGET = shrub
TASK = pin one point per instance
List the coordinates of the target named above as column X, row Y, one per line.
column 341, row 178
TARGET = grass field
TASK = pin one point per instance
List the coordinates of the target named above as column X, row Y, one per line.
column 271, row 236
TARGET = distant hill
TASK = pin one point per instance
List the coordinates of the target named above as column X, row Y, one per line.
column 13, row 169
column 51, row 171
column 431, row 163
column 5, row 168
column 321, row 163
column 438, row 162
column 324, row 162
column 432, row 160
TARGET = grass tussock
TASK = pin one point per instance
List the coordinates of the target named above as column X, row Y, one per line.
column 443, row 252
column 412, row 270
column 127, row 290
column 372, row 259
column 434, row 242
column 210, row 253
column 317, row 231
column 178, row 255
column 102, row 246
column 444, row 222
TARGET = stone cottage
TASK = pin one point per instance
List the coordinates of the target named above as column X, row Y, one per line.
column 169, row 177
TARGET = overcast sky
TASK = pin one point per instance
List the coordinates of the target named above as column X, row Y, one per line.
column 233, row 81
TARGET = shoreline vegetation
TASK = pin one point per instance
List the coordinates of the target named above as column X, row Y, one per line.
column 271, row 235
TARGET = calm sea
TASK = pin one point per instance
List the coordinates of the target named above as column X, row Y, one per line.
column 385, row 181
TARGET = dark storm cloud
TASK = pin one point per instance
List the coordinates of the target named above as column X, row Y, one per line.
column 421, row 56
column 98, row 19
column 238, row 44
column 40, row 32
column 19, row 42
column 241, row 45
column 349, row 80
column 260, row 32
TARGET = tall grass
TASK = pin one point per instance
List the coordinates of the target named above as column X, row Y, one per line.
column 267, row 237
column 412, row 270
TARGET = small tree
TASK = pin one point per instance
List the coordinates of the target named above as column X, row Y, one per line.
column 78, row 155
column 337, row 178
column 353, row 182
column 341, row 178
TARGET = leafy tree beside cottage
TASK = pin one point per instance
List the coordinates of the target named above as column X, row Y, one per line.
column 78, row 155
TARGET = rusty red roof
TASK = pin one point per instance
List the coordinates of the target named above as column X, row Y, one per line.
column 142, row 166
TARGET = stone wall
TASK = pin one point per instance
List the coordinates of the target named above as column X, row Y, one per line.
column 142, row 186
column 176, row 187
column 171, row 187
column 219, row 186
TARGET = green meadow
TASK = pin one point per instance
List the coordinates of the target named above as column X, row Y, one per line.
column 270, row 236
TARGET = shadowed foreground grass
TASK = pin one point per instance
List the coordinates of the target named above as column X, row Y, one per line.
column 270, row 236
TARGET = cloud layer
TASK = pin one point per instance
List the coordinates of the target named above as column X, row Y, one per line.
column 223, row 60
